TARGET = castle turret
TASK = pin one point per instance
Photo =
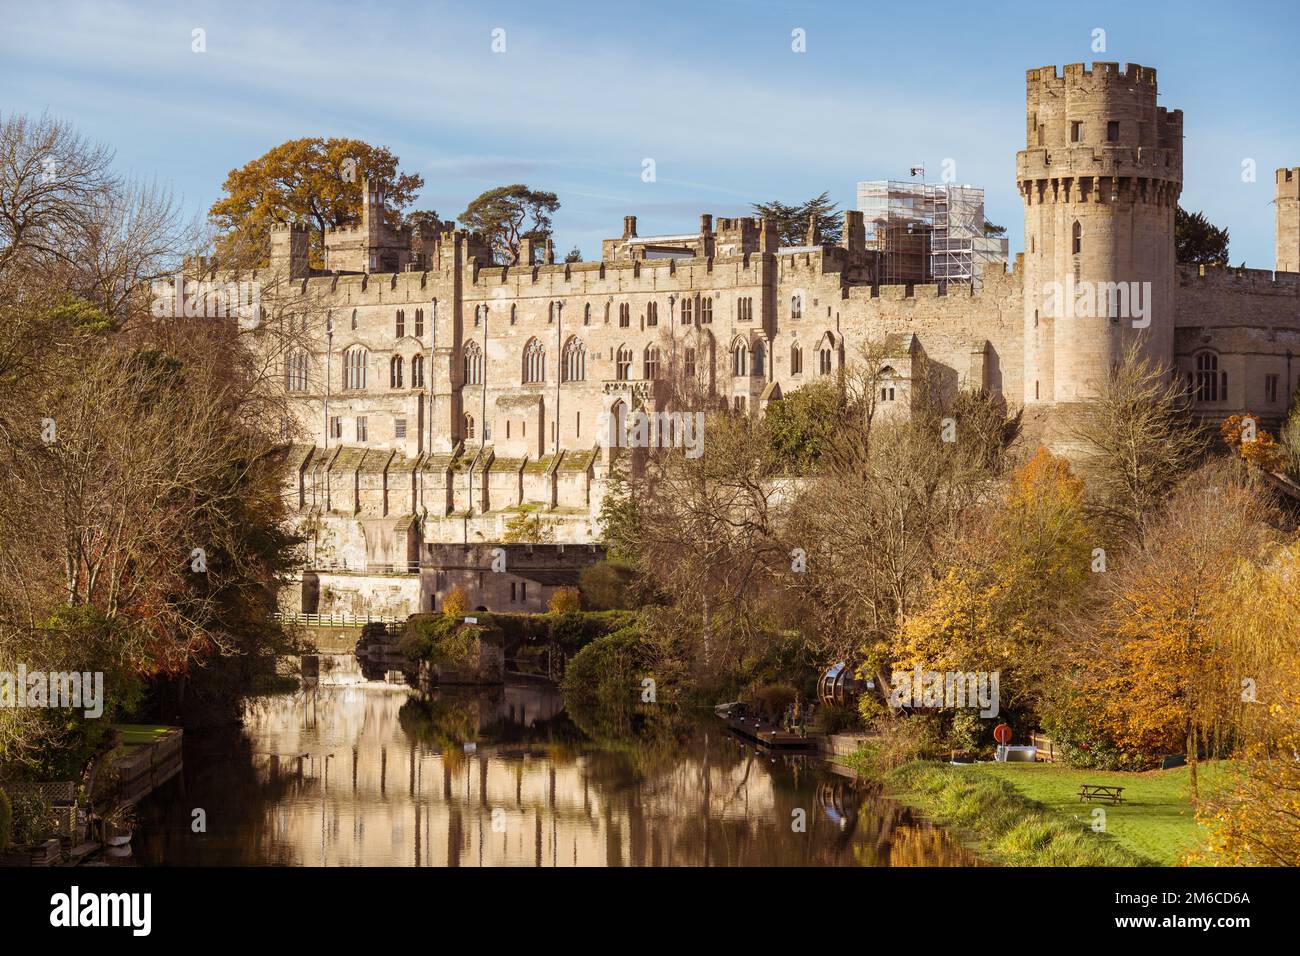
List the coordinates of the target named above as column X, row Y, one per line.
column 1288, row 220
column 1100, row 178
column 371, row 245
column 289, row 250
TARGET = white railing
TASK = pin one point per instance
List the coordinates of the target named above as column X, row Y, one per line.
column 409, row 567
column 336, row 620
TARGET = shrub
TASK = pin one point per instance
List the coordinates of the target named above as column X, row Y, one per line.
column 576, row 630
column 442, row 640
column 1083, row 744
column 607, row 672
column 897, row 741
column 565, row 601
column 527, row 528
column 608, row 585
column 32, row 821
column 6, row 819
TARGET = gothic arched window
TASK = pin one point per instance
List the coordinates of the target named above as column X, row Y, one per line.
column 796, row 359
column 354, row 367
column 417, row 371
column 740, row 359
column 295, row 371
column 473, row 363
column 1211, row 384
column 651, row 362
column 1076, row 238
column 395, row 372
column 534, row 362
column 623, row 363
column 574, row 367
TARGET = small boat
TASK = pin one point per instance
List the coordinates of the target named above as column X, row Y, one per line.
column 118, row 834
column 735, row 708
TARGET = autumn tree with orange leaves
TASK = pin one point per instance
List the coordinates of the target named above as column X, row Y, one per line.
column 314, row 181
column 1157, row 663
column 1253, row 444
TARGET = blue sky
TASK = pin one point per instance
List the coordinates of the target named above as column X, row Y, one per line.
column 711, row 91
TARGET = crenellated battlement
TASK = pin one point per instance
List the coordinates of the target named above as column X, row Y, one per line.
column 1101, row 73
column 1102, row 110
column 995, row 285
column 1229, row 278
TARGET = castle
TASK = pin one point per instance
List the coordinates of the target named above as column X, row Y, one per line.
column 441, row 394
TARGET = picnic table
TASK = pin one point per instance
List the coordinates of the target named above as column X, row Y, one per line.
column 1098, row 791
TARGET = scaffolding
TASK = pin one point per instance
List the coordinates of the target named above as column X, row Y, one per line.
column 927, row 233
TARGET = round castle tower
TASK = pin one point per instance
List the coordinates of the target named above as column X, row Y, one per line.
column 1100, row 178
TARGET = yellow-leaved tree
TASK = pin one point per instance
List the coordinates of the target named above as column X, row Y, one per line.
column 997, row 605
column 1255, row 819
column 456, row 603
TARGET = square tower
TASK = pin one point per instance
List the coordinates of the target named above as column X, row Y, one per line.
column 1288, row 220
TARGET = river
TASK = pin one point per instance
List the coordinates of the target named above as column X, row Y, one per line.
column 362, row 773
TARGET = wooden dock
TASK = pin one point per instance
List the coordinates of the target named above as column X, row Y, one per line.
column 768, row 735
column 148, row 758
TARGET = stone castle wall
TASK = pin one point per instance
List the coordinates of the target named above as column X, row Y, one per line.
column 476, row 409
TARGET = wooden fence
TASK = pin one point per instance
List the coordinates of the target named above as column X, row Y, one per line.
column 1046, row 748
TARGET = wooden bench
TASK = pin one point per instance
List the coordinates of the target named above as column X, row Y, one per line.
column 1097, row 791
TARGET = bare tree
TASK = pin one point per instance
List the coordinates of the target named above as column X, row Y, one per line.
column 888, row 502
column 51, row 183
column 1138, row 441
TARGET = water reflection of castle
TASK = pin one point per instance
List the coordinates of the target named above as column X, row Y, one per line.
column 368, row 775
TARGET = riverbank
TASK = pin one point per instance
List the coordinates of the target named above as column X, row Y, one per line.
column 1030, row 814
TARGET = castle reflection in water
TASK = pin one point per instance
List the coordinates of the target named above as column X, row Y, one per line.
column 359, row 773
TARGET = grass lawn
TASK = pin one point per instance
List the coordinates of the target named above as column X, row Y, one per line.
column 1154, row 821
column 137, row 735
